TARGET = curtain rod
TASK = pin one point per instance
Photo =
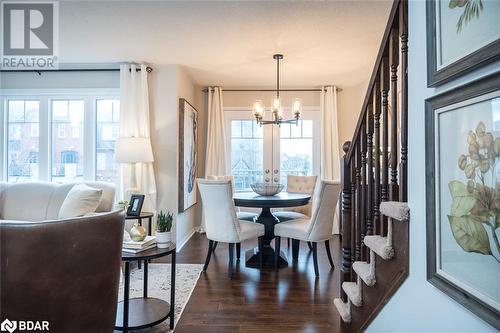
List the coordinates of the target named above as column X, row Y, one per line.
column 272, row 90
column 39, row 71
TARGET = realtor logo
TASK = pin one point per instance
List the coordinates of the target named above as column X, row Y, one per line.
column 8, row 326
column 30, row 34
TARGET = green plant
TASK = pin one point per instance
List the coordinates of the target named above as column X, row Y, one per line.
column 476, row 203
column 123, row 204
column 164, row 222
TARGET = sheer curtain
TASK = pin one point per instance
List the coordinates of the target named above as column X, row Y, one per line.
column 216, row 163
column 330, row 156
column 134, row 122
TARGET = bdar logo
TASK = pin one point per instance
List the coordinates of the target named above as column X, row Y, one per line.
column 8, row 326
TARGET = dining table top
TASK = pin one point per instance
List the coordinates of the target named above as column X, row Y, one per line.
column 280, row 200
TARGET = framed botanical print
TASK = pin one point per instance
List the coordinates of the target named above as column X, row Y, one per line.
column 462, row 35
column 188, row 148
column 463, row 195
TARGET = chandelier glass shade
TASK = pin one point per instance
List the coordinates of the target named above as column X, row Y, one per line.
column 276, row 105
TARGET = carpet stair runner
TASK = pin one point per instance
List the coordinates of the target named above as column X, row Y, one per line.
column 365, row 271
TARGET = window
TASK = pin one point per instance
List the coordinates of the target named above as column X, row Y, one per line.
column 247, row 155
column 270, row 153
column 296, row 150
column 66, row 136
column 67, row 152
column 22, row 117
column 108, row 117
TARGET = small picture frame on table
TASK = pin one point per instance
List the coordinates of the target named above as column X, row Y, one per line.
column 135, row 206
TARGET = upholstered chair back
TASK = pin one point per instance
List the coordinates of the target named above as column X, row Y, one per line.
column 65, row 271
column 325, row 201
column 301, row 184
column 230, row 178
column 221, row 222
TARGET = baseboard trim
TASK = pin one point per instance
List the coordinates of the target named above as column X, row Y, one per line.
column 181, row 244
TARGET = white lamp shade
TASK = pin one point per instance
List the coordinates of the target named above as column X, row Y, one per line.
column 133, row 150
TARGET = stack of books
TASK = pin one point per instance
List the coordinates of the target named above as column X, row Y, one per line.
column 131, row 246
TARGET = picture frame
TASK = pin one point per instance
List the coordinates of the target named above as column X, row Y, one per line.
column 135, row 205
column 461, row 37
column 188, row 153
column 462, row 169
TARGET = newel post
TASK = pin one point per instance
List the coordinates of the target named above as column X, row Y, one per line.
column 345, row 274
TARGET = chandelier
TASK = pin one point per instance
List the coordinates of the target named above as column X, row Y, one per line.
column 276, row 106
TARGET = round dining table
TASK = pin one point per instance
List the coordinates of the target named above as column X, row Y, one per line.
column 266, row 217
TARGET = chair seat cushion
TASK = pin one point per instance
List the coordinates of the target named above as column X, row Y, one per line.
column 296, row 229
column 247, row 216
column 250, row 230
column 286, row 215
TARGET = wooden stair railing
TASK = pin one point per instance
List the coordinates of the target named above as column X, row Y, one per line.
column 374, row 170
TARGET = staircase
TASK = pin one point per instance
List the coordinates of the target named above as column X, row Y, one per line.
column 375, row 215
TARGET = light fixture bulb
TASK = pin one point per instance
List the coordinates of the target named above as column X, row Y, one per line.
column 258, row 109
column 297, row 106
column 276, row 103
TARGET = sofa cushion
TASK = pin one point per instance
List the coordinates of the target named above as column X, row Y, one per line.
column 26, row 201
column 81, row 200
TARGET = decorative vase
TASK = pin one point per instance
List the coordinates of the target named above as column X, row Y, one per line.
column 137, row 233
column 163, row 239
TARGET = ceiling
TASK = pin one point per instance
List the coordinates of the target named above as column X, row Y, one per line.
column 230, row 43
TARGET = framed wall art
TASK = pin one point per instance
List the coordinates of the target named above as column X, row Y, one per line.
column 188, row 147
column 463, row 195
column 462, row 35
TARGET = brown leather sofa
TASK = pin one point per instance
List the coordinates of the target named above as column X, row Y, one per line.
column 65, row 272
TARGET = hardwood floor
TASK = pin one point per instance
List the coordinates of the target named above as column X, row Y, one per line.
column 292, row 300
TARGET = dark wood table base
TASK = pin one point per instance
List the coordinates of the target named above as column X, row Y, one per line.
column 252, row 256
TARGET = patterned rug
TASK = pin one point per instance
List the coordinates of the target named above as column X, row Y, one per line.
column 159, row 286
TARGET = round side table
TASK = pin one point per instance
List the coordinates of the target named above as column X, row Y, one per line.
column 144, row 312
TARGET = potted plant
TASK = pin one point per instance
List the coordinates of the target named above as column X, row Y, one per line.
column 164, row 224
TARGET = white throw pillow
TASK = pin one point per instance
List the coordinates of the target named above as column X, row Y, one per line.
column 81, row 200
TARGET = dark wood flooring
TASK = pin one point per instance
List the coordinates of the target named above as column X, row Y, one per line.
column 292, row 300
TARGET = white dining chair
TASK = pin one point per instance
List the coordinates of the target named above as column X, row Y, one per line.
column 316, row 229
column 298, row 184
column 247, row 216
column 222, row 223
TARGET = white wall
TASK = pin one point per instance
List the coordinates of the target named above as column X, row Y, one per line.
column 167, row 84
column 59, row 80
column 418, row 306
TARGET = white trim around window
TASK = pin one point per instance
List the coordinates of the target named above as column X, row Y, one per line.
column 45, row 98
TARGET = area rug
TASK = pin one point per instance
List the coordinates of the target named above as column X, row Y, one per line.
column 159, row 286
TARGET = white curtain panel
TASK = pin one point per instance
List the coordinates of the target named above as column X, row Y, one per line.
column 330, row 156
column 134, row 122
column 216, row 163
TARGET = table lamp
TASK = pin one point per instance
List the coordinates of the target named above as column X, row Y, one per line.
column 132, row 150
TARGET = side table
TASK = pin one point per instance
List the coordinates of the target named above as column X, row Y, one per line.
column 143, row 312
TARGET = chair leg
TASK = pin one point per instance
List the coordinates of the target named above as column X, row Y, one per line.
column 238, row 251
column 277, row 245
column 328, row 253
column 231, row 260
column 288, row 241
column 209, row 254
column 295, row 249
column 310, row 246
column 260, row 240
column 215, row 246
column 315, row 258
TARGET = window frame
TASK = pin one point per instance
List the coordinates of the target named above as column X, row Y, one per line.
column 273, row 137
column 45, row 97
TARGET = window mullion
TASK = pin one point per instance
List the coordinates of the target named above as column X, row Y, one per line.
column 44, row 139
column 89, row 142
